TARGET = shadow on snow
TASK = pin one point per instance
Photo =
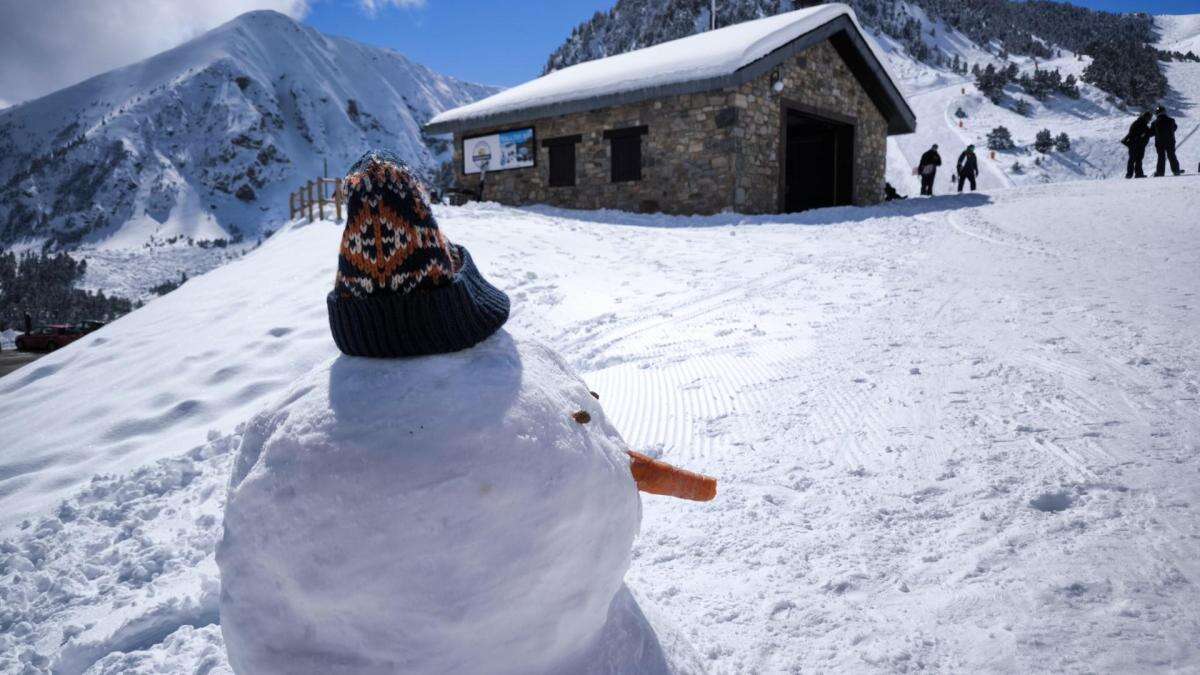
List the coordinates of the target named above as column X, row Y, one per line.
column 905, row 208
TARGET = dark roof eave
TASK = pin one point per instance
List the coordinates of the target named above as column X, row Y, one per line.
column 851, row 45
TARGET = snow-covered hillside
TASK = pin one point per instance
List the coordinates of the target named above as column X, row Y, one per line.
column 205, row 141
column 1094, row 123
column 953, row 435
column 1179, row 32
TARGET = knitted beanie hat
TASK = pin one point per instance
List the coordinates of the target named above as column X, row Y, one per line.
column 402, row 289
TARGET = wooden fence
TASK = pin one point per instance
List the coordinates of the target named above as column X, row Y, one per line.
column 316, row 194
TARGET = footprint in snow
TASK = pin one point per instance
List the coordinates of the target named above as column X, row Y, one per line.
column 1052, row 502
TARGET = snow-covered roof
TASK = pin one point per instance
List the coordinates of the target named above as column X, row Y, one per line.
column 714, row 60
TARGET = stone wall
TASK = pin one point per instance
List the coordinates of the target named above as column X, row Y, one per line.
column 687, row 159
column 703, row 153
column 818, row 78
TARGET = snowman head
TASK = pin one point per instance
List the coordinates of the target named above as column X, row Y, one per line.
column 402, row 288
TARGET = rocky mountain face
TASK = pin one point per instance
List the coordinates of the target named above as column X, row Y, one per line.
column 205, row 141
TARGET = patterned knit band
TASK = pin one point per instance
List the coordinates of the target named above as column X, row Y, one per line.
column 392, row 242
column 402, row 289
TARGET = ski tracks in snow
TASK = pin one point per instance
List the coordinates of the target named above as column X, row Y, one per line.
column 949, row 468
column 949, row 437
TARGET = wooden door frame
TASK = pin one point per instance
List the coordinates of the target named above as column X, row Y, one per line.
column 787, row 105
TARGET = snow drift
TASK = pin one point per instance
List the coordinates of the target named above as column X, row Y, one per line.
column 436, row 514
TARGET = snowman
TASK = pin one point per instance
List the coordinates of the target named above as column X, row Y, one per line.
column 455, row 503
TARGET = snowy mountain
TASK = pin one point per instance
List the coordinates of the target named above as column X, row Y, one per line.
column 205, row 141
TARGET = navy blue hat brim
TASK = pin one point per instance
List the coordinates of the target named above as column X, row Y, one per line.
column 440, row 320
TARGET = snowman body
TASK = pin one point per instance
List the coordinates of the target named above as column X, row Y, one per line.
column 428, row 515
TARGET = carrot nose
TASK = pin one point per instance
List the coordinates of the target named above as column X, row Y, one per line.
column 660, row 478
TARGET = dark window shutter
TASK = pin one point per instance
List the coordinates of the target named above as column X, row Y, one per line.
column 626, row 158
column 562, row 165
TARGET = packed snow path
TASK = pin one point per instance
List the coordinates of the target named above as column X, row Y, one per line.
column 957, row 434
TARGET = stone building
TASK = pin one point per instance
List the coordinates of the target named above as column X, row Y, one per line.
column 776, row 115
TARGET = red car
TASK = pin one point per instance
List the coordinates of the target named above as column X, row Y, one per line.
column 50, row 338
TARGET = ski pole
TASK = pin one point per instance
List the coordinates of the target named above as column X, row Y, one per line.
column 1188, row 137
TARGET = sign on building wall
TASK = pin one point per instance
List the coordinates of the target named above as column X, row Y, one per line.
column 513, row 149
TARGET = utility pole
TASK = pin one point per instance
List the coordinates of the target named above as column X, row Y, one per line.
column 713, row 15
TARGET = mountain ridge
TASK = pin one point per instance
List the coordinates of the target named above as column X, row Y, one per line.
column 205, row 140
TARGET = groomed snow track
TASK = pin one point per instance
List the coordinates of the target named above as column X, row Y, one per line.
column 954, row 435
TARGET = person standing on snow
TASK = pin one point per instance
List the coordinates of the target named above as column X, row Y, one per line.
column 1164, row 142
column 930, row 161
column 968, row 168
column 1136, row 140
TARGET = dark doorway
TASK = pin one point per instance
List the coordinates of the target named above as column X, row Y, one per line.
column 818, row 162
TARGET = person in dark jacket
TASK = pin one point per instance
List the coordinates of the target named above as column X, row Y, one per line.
column 968, row 168
column 1164, row 142
column 1136, row 140
column 930, row 161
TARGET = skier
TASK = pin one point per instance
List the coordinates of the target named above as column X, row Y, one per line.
column 1164, row 142
column 1136, row 140
column 968, row 168
column 444, row 496
column 930, row 161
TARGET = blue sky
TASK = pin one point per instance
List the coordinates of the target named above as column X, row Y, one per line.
column 501, row 42
column 505, row 42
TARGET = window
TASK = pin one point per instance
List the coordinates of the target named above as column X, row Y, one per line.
column 562, row 165
column 562, row 160
column 626, row 153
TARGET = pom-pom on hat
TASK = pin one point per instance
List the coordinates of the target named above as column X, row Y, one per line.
column 402, row 288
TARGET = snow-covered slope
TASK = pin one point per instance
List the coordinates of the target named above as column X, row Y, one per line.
column 205, row 141
column 1182, row 34
column 1179, row 32
column 1093, row 122
column 953, row 435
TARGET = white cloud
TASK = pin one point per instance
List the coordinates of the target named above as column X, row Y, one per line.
column 46, row 45
column 372, row 7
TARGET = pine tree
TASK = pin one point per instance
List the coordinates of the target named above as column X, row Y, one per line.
column 1044, row 142
column 1070, row 87
column 1062, row 142
column 1001, row 139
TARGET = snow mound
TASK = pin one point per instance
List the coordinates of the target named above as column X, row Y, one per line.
column 440, row 514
